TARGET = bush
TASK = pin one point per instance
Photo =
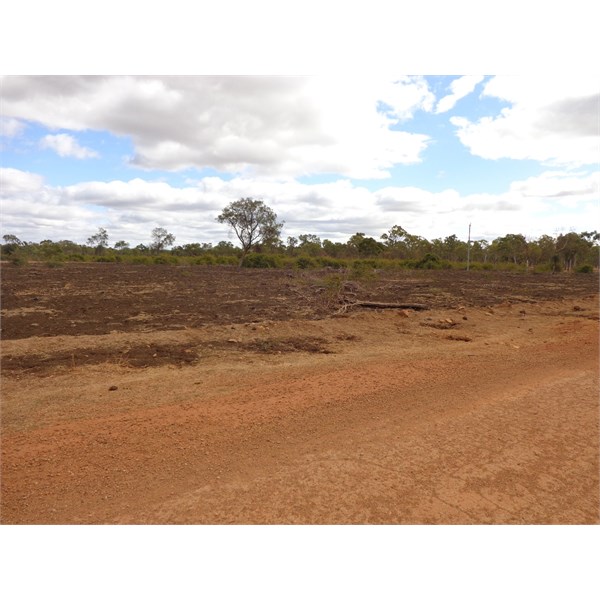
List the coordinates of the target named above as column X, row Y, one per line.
column 542, row 268
column 76, row 257
column 140, row 260
column 261, row 261
column 205, row 259
column 585, row 269
column 226, row 260
column 429, row 261
column 332, row 263
column 19, row 261
column 363, row 269
column 52, row 264
column 166, row 260
column 305, row 262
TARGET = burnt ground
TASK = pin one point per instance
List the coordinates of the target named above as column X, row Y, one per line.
column 95, row 299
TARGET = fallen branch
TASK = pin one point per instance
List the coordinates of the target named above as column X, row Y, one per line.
column 369, row 304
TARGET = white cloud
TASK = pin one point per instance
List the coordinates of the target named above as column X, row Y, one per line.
column 460, row 87
column 560, row 184
column 66, row 145
column 284, row 126
column 552, row 120
column 34, row 210
column 10, row 127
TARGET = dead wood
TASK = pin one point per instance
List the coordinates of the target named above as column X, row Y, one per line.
column 372, row 304
column 369, row 304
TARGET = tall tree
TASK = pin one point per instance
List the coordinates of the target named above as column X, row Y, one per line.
column 99, row 240
column 252, row 221
column 161, row 239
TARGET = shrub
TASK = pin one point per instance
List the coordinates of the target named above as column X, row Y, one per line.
column 429, row 261
column 261, row 261
column 76, row 257
column 166, row 260
column 585, row 269
column 542, row 268
column 305, row 262
column 332, row 263
column 363, row 269
column 205, row 259
column 226, row 260
column 19, row 260
column 52, row 264
column 140, row 260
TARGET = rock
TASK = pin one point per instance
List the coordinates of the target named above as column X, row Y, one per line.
column 403, row 313
column 577, row 308
column 113, row 388
column 465, row 318
column 233, row 341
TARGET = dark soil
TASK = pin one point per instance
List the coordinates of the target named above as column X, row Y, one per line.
column 152, row 355
column 97, row 298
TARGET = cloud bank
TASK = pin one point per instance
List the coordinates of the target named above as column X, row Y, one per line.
column 553, row 120
column 130, row 209
column 265, row 126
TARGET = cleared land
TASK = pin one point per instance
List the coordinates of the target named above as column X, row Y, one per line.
column 161, row 394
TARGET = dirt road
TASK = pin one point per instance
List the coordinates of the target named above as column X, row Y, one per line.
column 457, row 415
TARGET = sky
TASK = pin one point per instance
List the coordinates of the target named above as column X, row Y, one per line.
column 332, row 155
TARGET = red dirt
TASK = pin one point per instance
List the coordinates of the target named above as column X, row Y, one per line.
column 374, row 416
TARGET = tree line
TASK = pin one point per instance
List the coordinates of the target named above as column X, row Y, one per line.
column 258, row 232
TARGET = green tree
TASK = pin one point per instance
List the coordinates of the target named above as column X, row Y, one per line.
column 334, row 249
column 9, row 238
column 547, row 248
column 454, row 249
column 310, row 244
column 510, row 248
column 395, row 241
column 253, row 222
column 571, row 246
column 161, row 239
column 291, row 245
column 11, row 244
column 369, row 247
column 99, row 241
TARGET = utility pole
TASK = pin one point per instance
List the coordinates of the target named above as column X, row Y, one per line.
column 469, row 248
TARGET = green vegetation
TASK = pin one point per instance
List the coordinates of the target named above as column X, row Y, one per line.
column 258, row 231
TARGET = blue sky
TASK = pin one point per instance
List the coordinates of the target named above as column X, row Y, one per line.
column 331, row 155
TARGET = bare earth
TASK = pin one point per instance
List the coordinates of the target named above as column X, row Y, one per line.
column 482, row 409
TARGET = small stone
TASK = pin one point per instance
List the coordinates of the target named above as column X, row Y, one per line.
column 233, row 341
column 403, row 313
column 465, row 318
column 113, row 388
